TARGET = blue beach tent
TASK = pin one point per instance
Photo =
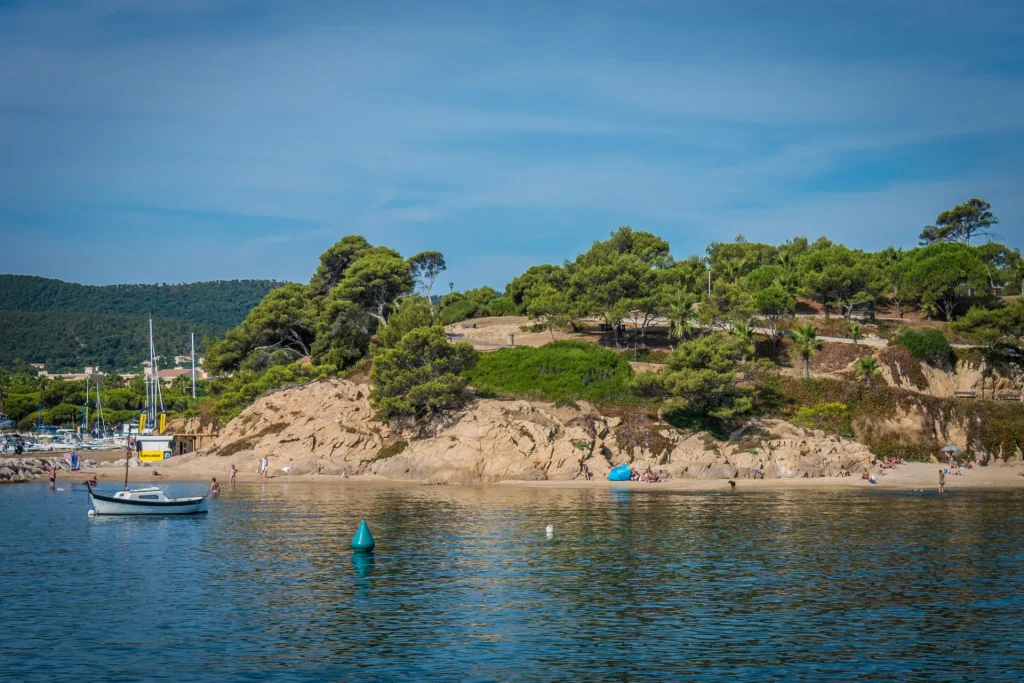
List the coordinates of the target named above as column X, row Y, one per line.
column 620, row 473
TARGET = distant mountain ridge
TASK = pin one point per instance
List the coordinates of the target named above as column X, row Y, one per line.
column 224, row 303
column 68, row 326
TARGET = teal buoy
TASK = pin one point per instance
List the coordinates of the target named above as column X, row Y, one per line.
column 363, row 541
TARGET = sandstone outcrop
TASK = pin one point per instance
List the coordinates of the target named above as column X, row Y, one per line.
column 963, row 377
column 328, row 428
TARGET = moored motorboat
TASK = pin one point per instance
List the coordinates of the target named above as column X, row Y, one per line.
column 150, row 500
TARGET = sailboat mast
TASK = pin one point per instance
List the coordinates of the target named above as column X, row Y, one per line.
column 193, row 365
column 152, row 375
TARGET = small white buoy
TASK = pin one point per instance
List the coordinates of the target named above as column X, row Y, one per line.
column 92, row 513
column 549, row 530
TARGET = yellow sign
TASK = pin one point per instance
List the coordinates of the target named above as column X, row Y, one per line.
column 163, row 422
column 151, row 456
column 142, row 422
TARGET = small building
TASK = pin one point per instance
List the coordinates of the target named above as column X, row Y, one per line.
column 168, row 376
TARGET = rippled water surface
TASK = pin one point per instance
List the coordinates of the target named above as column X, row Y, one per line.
column 636, row 584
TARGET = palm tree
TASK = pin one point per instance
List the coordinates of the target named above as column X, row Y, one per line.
column 680, row 312
column 866, row 368
column 805, row 345
column 786, row 260
column 854, row 332
column 788, row 281
column 745, row 333
column 731, row 269
column 930, row 309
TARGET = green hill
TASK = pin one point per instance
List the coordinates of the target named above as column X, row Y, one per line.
column 68, row 326
column 68, row 341
column 223, row 303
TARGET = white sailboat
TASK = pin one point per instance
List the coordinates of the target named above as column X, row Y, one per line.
column 150, row 500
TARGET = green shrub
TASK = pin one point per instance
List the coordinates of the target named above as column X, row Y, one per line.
column 389, row 451
column 821, row 413
column 462, row 309
column 647, row 385
column 928, row 345
column 421, row 376
column 503, row 306
column 562, row 371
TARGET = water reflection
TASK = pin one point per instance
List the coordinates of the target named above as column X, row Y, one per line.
column 363, row 563
column 466, row 585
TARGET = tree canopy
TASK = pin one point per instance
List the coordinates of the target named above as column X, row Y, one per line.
column 961, row 223
column 701, row 375
column 420, row 376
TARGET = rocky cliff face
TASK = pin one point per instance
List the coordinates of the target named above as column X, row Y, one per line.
column 328, row 428
column 949, row 381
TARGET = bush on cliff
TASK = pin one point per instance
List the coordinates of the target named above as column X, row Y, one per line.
column 562, row 371
column 702, row 378
column 421, row 376
column 927, row 345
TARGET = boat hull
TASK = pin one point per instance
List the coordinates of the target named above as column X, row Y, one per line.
column 107, row 505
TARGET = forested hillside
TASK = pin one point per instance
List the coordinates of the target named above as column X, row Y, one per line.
column 70, row 341
column 68, row 326
column 223, row 303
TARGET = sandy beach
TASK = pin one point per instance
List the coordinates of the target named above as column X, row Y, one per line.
column 909, row 476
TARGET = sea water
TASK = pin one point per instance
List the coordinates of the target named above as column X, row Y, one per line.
column 635, row 583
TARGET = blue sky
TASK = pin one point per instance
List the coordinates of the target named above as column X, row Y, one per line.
column 246, row 137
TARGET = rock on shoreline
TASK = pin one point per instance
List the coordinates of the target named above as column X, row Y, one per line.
column 328, row 428
column 14, row 470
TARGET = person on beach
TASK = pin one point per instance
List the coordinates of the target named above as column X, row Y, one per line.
column 942, row 481
column 264, row 467
column 234, row 473
column 732, row 485
column 214, row 486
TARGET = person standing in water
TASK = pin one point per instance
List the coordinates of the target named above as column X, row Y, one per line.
column 234, row 473
column 53, row 477
column 214, row 486
column 264, row 467
column 942, row 481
